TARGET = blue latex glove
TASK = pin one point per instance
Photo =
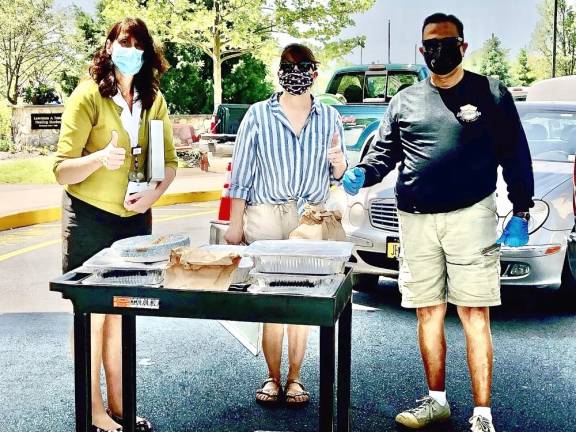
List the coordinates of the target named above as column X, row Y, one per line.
column 515, row 234
column 353, row 180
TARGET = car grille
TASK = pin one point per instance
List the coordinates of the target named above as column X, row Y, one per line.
column 383, row 215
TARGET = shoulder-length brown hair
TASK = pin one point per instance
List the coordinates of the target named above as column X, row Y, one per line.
column 146, row 81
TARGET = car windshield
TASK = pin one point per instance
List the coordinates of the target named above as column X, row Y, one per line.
column 359, row 87
column 551, row 133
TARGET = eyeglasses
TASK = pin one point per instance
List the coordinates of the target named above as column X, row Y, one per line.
column 434, row 44
column 303, row 66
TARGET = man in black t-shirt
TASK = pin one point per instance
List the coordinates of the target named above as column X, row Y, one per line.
column 450, row 133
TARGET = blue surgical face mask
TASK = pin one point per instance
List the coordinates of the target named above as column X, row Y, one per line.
column 127, row 60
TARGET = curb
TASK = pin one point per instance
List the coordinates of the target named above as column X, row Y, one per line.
column 54, row 214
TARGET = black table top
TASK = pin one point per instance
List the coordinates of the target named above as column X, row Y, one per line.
column 321, row 310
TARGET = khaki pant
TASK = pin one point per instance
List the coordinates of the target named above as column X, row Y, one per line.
column 441, row 258
column 270, row 221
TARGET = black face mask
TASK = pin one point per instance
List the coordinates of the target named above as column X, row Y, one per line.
column 442, row 56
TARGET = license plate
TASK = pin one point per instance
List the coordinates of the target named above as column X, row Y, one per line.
column 136, row 302
column 393, row 248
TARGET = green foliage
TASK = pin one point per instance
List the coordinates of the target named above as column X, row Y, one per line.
column 494, row 62
column 247, row 83
column 86, row 38
column 5, row 127
column 36, row 170
column 5, row 145
column 189, row 158
column 68, row 81
column 40, row 94
column 33, row 47
column 187, row 85
column 524, row 76
column 228, row 30
column 542, row 39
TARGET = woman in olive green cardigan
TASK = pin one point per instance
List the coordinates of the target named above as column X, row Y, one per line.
column 103, row 144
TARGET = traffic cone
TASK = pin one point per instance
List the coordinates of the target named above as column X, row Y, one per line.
column 225, row 200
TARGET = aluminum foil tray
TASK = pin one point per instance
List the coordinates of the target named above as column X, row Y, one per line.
column 300, row 256
column 107, row 259
column 298, row 265
column 294, row 284
column 132, row 278
column 149, row 248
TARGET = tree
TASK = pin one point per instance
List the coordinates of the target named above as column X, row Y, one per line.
column 542, row 38
column 187, row 85
column 228, row 29
column 32, row 44
column 524, row 76
column 246, row 83
column 86, row 38
column 494, row 61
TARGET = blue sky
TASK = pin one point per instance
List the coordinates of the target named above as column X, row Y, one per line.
column 513, row 21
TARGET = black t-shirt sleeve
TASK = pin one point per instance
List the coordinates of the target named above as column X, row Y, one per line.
column 513, row 152
column 386, row 150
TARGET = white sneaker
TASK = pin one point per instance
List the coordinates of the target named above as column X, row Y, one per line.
column 481, row 424
column 428, row 412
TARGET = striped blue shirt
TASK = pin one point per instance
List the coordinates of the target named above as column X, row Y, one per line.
column 272, row 165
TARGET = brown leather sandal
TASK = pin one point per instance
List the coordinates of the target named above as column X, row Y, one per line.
column 291, row 395
column 273, row 398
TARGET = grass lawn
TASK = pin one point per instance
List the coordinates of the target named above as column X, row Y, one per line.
column 36, row 170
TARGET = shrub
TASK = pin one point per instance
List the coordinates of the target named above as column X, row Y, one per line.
column 5, row 127
column 40, row 94
column 190, row 158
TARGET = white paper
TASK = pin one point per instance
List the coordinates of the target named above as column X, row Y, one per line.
column 156, row 151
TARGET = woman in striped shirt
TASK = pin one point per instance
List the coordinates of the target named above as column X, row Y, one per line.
column 287, row 151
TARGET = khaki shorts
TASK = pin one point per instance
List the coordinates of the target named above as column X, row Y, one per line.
column 441, row 257
column 270, row 221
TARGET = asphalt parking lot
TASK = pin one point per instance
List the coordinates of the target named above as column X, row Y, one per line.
column 193, row 375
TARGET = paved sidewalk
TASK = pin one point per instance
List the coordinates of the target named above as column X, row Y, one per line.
column 19, row 198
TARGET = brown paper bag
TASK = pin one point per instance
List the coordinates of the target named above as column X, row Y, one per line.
column 316, row 223
column 196, row 269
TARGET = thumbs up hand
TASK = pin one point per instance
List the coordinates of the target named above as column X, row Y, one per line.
column 335, row 154
column 112, row 157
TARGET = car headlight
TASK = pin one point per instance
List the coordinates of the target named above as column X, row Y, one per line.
column 538, row 215
column 356, row 214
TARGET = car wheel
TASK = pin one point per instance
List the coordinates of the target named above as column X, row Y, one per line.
column 364, row 282
column 568, row 285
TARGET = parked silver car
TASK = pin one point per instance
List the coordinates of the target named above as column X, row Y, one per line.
column 371, row 221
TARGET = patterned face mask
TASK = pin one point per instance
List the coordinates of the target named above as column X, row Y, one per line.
column 295, row 82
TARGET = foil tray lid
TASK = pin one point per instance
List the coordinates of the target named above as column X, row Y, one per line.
column 325, row 249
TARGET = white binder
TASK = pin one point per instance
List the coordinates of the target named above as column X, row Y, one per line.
column 156, row 151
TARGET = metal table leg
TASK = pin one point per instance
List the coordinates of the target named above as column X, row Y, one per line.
column 327, row 366
column 344, row 368
column 129, row 372
column 82, row 372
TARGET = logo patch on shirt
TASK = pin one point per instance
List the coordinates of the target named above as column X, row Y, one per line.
column 468, row 113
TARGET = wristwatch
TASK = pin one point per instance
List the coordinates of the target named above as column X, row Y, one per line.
column 523, row 215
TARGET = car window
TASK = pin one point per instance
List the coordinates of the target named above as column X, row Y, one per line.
column 357, row 86
column 551, row 134
column 349, row 85
column 376, row 86
column 398, row 81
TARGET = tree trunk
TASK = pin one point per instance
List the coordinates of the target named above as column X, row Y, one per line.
column 217, row 75
column 217, row 57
